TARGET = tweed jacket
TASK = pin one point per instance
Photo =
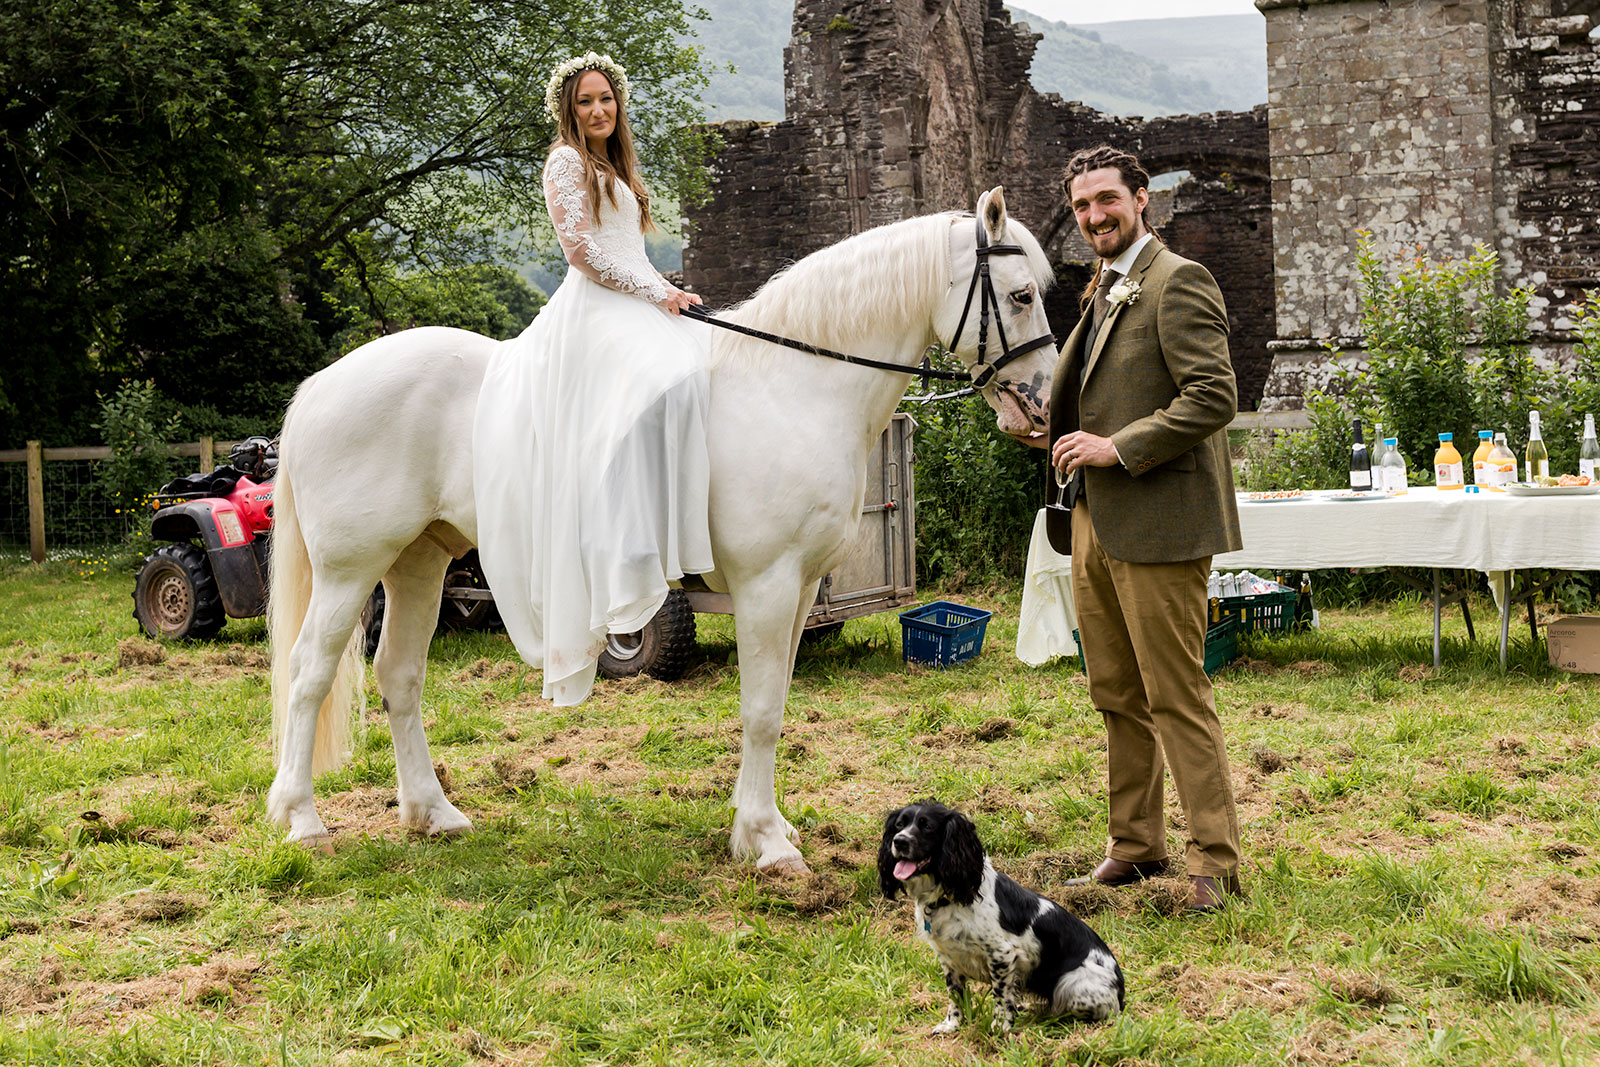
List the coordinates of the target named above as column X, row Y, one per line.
column 1160, row 384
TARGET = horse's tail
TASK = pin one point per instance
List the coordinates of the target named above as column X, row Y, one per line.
column 288, row 597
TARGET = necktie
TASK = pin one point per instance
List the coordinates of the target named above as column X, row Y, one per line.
column 1102, row 300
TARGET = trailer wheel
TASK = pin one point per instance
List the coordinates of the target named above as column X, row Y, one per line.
column 175, row 595
column 662, row 649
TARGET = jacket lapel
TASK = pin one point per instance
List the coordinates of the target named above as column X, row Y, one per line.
column 1147, row 256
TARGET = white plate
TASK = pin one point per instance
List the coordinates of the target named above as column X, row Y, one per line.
column 1255, row 498
column 1552, row 490
column 1351, row 494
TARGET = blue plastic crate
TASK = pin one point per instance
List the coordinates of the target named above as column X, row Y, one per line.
column 1222, row 646
column 942, row 633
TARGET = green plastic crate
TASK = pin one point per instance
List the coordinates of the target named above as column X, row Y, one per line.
column 1270, row 612
column 1222, row 646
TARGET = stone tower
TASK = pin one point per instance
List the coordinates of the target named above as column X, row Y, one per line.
column 1437, row 124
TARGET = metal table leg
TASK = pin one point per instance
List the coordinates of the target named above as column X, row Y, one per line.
column 1505, row 617
column 1436, row 618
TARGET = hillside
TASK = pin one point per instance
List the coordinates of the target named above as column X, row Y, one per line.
column 1153, row 66
column 1139, row 67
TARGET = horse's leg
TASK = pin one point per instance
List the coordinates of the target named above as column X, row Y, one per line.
column 411, row 612
column 768, row 617
column 330, row 622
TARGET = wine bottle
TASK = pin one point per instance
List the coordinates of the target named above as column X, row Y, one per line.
column 1360, row 461
column 1538, row 458
column 1589, row 450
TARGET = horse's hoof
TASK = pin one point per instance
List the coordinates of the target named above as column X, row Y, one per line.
column 450, row 829
column 790, row 866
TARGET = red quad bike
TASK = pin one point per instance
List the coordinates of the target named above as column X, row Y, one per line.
column 219, row 526
column 216, row 563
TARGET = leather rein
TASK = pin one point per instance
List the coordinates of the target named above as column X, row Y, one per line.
column 980, row 374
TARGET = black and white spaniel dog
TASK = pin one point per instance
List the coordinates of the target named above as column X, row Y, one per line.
column 986, row 927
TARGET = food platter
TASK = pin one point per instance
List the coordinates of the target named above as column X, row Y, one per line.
column 1273, row 496
column 1521, row 489
column 1351, row 494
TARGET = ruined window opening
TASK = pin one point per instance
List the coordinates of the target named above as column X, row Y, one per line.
column 1167, row 180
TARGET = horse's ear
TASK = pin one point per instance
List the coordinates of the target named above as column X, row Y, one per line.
column 992, row 209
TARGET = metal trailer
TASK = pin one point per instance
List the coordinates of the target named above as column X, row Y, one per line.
column 878, row 574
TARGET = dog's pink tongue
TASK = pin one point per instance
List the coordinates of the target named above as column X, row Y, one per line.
column 904, row 869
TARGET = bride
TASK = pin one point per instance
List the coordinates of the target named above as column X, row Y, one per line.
column 589, row 456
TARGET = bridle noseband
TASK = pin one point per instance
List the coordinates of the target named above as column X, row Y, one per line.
column 981, row 372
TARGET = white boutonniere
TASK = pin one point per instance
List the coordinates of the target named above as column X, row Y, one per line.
column 1124, row 292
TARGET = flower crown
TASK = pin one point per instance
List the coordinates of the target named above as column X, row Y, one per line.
column 588, row 61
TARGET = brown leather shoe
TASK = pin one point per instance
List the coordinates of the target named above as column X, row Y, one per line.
column 1116, row 873
column 1211, row 893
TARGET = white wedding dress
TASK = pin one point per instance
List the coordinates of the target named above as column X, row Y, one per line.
column 589, row 447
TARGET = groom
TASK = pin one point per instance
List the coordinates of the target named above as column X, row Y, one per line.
column 1142, row 397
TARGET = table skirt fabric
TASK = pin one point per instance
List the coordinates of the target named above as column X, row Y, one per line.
column 1044, row 628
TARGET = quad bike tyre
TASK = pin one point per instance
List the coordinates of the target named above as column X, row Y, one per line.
column 175, row 595
column 662, row 649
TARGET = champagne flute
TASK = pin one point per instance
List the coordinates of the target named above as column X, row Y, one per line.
column 1061, row 488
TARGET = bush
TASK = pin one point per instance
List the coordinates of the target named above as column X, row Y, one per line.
column 977, row 491
column 1445, row 353
column 141, row 460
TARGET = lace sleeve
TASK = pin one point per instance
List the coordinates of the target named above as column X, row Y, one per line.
column 577, row 230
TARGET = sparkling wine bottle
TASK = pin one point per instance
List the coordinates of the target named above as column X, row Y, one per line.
column 1360, row 460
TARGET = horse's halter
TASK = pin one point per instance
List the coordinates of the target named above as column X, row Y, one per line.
column 983, row 373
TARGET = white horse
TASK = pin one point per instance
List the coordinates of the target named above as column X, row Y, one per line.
column 375, row 483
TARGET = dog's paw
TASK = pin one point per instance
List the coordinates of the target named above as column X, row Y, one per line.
column 949, row 1026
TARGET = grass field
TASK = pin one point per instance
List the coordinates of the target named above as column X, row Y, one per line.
column 1422, row 858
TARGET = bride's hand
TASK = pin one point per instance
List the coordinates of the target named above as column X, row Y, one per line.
column 680, row 300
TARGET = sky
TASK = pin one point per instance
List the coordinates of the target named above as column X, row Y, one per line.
column 1084, row 12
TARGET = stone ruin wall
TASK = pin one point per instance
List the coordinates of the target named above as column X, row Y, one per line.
column 1439, row 125
column 906, row 107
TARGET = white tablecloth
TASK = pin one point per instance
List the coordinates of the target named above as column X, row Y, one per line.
column 1425, row 528
column 1044, row 626
column 1496, row 533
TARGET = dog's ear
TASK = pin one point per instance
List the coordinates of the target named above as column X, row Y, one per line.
column 886, row 880
column 959, row 865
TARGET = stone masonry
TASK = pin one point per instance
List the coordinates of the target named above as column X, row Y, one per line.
column 898, row 108
column 1437, row 125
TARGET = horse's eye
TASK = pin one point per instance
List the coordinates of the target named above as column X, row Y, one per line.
column 1023, row 296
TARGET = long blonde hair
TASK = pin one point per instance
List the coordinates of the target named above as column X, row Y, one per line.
column 619, row 162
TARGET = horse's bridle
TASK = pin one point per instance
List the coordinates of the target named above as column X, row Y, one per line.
column 980, row 374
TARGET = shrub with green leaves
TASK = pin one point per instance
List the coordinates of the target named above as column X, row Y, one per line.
column 141, row 460
column 1446, row 351
column 977, row 492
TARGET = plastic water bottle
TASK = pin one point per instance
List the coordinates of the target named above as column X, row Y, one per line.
column 1393, row 468
column 1588, row 450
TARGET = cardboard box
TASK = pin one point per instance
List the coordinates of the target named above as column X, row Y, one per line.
column 1574, row 642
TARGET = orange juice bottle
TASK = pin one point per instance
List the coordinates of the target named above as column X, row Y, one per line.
column 1447, row 464
column 1480, row 458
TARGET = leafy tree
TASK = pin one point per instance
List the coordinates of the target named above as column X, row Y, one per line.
column 240, row 162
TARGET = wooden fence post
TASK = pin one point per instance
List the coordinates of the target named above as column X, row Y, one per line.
column 36, row 500
column 207, row 464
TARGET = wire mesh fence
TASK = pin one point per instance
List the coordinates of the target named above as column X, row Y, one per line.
column 77, row 510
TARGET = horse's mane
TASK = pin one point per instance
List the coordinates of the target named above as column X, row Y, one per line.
column 888, row 272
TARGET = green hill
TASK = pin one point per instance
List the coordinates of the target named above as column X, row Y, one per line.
column 1139, row 67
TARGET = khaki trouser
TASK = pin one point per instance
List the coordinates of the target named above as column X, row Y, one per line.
column 1143, row 632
